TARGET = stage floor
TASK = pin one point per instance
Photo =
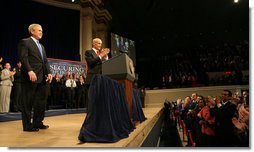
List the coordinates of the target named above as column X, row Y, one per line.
column 64, row 130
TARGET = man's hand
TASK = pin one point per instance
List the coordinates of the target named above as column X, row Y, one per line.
column 104, row 52
column 12, row 73
column 32, row 76
column 49, row 78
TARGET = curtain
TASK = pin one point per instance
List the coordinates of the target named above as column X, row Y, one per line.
column 108, row 117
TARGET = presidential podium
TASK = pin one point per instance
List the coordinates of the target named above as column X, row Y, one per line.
column 121, row 68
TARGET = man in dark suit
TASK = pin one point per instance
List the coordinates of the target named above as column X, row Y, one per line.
column 35, row 73
column 94, row 58
column 224, row 128
column 17, row 88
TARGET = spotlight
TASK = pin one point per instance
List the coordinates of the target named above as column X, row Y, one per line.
column 73, row 0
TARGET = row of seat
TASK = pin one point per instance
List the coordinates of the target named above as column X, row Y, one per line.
column 184, row 134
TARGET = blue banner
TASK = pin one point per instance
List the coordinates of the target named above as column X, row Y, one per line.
column 63, row 66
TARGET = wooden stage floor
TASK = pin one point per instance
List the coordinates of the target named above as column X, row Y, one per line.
column 64, row 130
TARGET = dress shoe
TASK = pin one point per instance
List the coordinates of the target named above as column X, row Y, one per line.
column 31, row 129
column 43, row 127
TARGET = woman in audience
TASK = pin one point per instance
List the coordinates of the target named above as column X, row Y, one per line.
column 207, row 125
column 5, row 88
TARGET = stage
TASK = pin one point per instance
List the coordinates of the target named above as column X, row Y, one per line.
column 64, row 130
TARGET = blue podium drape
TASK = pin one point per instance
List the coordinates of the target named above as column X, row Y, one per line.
column 108, row 117
column 137, row 111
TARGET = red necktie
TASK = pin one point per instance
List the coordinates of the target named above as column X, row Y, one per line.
column 98, row 53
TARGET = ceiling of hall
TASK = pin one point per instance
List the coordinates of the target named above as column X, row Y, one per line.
column 177, row 23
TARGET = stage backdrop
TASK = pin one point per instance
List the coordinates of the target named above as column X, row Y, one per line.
column 64, row 66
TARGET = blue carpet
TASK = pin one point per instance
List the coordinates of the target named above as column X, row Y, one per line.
column 54, row 112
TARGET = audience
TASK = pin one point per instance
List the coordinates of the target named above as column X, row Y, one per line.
column 192, row 67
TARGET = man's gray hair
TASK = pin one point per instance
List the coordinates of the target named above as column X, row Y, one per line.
column 96, row 40
column 32, row 26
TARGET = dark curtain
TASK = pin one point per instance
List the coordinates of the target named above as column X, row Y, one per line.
column 60, row 28
column 137, row 111
column 108, row 117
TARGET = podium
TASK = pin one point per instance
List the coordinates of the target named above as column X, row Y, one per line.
column 121, row 68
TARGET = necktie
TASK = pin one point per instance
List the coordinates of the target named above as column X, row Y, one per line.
column 71, row 83
column 97, row 53
column 40, row 49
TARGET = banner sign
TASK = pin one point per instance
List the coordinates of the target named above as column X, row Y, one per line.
column 63, row 66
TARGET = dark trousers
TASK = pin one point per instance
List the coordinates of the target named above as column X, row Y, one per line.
column 34, row 97
column 17, row 97
column 70, row 98
column 81, row 97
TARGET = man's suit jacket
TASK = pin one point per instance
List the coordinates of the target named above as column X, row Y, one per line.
column 94, row 65
column 224, row 126
column 30, row 57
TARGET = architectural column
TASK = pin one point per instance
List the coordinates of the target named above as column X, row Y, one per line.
column 102, row 33
column 93, row 24
column 86, row 29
